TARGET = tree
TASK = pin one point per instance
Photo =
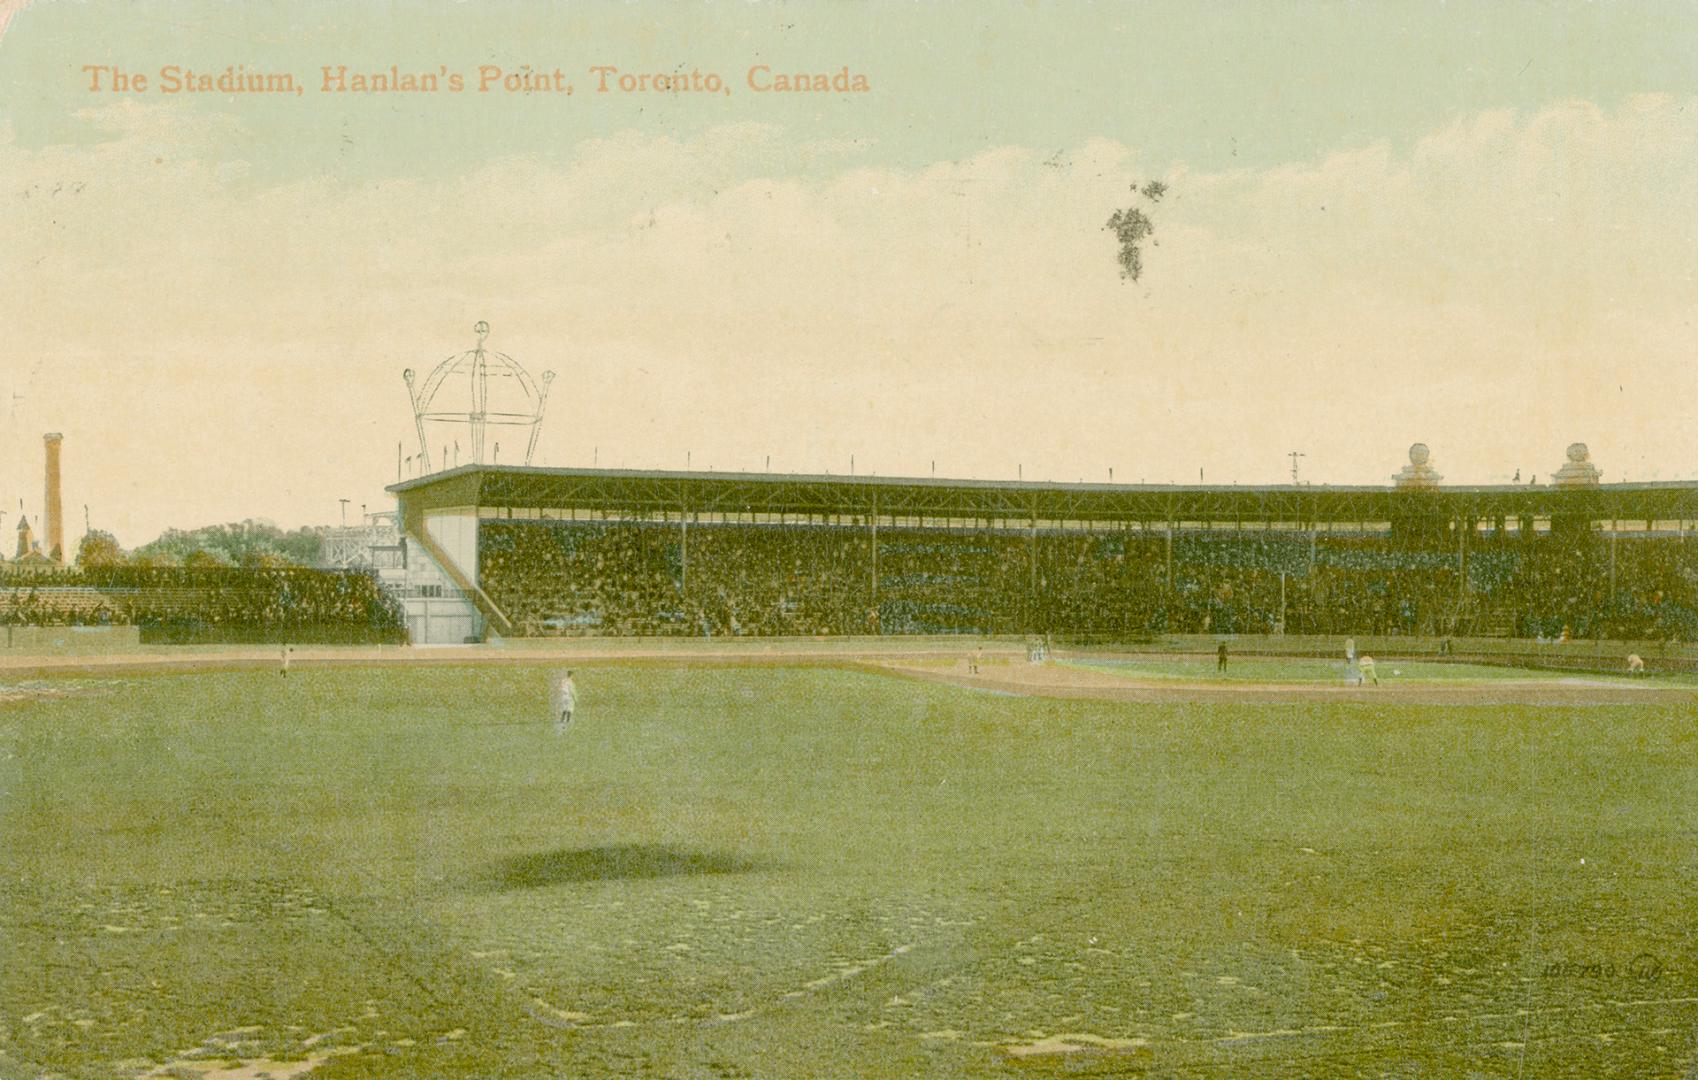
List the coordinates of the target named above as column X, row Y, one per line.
column 99, row 548
column 241, row 543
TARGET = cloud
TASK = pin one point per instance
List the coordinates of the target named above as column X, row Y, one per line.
column 219, row 348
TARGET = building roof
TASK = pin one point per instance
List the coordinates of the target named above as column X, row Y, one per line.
column 652, row 491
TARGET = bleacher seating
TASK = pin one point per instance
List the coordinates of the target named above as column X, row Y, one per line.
column 212, row 604
column 614, row 577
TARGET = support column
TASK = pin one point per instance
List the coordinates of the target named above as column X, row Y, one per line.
column 1463, row 525
column 1170, row 552
column 1032, row 567
column 874, row 582
column 1615, row 527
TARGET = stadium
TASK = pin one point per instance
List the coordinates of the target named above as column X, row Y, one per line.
column 873, row 776
column 867, row 775
column 527, row 551
column 479, row 552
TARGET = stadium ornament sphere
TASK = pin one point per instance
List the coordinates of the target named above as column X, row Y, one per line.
column 1419, row 473
column 1578, row 470
column 468, row 394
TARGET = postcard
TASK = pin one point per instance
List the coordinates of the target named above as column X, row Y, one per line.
column 803, row 539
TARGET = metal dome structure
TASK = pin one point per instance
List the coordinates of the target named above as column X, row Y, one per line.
column 470, row 392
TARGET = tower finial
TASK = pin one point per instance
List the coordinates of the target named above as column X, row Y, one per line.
column 473, row 390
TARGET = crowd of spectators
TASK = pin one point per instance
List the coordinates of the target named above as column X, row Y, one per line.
column 1583, row 585
column 763, row 580
column 735, row 579
column 643, row 578
column 616, row 578
column 215, row 603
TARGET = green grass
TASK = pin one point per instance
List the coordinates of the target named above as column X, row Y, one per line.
column 809, row 872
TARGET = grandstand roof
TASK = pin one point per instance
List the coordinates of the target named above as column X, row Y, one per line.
column 642, row 491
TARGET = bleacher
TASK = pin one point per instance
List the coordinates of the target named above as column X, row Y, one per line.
column 634, row 577
column 216, row 604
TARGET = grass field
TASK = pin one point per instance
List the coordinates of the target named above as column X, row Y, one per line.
column 789, row 872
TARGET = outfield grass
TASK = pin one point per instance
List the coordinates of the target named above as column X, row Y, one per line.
column 814, row 872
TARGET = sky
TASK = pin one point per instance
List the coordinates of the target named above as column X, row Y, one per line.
column 1464, row 224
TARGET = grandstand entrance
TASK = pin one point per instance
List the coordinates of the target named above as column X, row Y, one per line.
column 438, row 610
column 440, row 624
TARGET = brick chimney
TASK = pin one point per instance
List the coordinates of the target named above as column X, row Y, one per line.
column 53, row 527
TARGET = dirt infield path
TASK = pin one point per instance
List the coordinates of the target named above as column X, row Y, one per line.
column 1065, row 681
column 1003, row 670
column 190, row 658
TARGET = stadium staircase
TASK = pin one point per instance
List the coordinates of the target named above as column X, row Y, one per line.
column 492, row 613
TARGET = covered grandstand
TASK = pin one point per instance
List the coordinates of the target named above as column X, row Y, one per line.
column 539, row 551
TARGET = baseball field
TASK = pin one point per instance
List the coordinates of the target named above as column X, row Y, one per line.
column 846, row 869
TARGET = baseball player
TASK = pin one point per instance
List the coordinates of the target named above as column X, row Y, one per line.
column 565, row 703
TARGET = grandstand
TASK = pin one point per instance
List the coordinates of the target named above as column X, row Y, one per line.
column 516, row 550
column 485, row 550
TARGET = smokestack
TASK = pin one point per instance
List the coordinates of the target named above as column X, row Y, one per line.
column 53, row 529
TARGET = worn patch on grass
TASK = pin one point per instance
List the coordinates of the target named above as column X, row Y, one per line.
column 44, row 690
column 257, row 1069
column 1075, row 1043
column 614, row 862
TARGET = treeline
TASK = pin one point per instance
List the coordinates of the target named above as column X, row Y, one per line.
column 243, row 544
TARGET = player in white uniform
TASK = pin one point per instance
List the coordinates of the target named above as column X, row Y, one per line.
column 1366, row 666
column 1635, row 664
column 565, row 703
